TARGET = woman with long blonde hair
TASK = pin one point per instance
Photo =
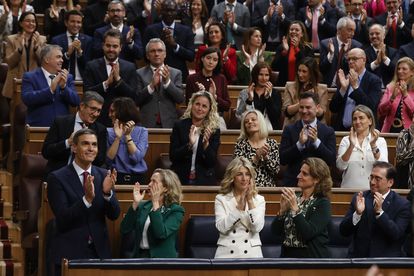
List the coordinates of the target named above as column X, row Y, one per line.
column 195, row 140
column 397, row 103
column 240, row 212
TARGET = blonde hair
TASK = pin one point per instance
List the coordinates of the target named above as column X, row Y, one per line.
column 170, row 181
column 410, row 63
column 212, row 119
column 263, row 132
column 231, row 171
column 320, row 171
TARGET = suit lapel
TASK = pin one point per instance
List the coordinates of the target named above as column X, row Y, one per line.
column 388, row 201
column 146, row 208
column 77, row 185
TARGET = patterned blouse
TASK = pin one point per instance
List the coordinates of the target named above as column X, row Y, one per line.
column 266, row 169
column 291, row 237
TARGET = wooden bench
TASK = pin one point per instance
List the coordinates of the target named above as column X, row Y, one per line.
column 159, row 142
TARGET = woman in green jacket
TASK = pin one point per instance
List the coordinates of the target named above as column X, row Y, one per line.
column 303, row 218
column 156, row 222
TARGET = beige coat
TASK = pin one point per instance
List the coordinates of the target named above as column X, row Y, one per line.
column 290, row 97
column 17, row 61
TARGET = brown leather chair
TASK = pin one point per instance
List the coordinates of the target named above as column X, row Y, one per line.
column 29, row 185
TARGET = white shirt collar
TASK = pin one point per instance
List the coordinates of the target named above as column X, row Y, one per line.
column 79, row 170
column 312, row 124
column 120, row 27
column 69, row 35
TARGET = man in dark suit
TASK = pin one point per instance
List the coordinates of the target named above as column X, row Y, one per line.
column 362, row 21
column 132, row 47
column 159, row 88
column 407, row 50
column 142, row 13
column 378, row 218
column 48, row 91
column 57, row 145
column 397, row 31
column 76, row 47
column 306, row 138
column 319, row 21
column 81, row 197
column 111, row 76
column 178, row 38
column 380, row 57
column 358, row 87
column 334, row 49
column 273, row 17
column 235, row 17
column 95, row 16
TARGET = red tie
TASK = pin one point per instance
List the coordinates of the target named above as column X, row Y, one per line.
column 339, row 65
column 291, row 63
column 85, row 178
column 394, row 31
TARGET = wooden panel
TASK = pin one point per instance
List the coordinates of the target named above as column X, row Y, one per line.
column 40, row 23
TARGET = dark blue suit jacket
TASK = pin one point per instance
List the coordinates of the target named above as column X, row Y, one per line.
column 95, row 75
column 368, row 93
column 54, row 147
column 382, row 237
column 386, row 73
column 127, row 53
column 184, row 37
column 328, row 69
column 74, row 221
column 181, row 155
column 406, row 50
column 43, row 106
column 403, row 34
column 86, row 45
column 292, row 157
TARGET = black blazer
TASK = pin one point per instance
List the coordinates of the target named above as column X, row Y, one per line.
column 86, row 45
column 384, row 72
column 181, row 155
column 95, row 75
column 292, row 157
column 403, row 34
column 382, row 237
column 184, row 37
column 74, row 221
column 368, row 93
column 54, row 148
column 328, row 69
column 280, row 62
column 407, row 50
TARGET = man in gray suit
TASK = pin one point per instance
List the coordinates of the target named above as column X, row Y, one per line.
column 159, row 88
column 236, row 17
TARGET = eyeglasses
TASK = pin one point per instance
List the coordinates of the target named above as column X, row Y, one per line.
column 116, row 10
column 353, row 58
column 93, row 109
column 375, row 178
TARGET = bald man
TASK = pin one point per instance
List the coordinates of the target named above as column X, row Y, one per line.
column 359, row 86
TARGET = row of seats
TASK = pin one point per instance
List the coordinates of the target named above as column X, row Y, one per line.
column 202, row 236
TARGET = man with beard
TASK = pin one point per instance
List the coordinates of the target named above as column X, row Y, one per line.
column 110, row 75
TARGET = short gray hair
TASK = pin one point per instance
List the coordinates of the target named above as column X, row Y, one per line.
column 343, row 22
column 92, row 96
column 155, row 40
column 47, row 49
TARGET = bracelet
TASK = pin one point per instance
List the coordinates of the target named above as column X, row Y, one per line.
column 130, row 140
column 106, row 194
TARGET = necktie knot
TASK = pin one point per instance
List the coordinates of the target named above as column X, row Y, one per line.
column 52, row 76
column 85, row 177
column 230, row 6
column 73, row 37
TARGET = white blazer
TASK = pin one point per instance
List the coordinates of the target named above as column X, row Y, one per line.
column 239, row 230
